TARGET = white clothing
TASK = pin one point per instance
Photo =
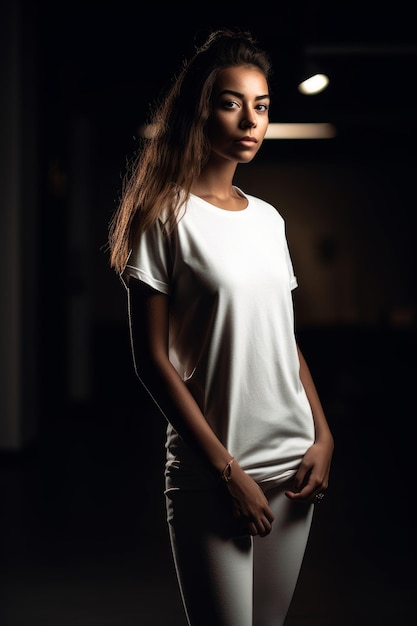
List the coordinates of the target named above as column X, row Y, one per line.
column 229, row 278
column 227, row 577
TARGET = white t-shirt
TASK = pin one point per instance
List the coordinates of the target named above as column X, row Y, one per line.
column 229, row 278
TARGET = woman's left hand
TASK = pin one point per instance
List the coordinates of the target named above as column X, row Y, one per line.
column 312, row 477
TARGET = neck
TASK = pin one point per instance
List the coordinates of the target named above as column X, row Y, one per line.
column 216, row 181
column 216, row 186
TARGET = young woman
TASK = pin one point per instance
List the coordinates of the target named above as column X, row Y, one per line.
column 209, row 281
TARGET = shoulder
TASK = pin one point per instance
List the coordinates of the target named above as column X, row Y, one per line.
column 268, row 209
column 266, row 206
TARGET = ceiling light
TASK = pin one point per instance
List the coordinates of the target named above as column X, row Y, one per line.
column 281, row 130
column 313, row 84
column 321, row 130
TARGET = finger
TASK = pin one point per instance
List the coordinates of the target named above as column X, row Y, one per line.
column 299, row 480
column 305, row 494
column 266, row 529
column 263, row 527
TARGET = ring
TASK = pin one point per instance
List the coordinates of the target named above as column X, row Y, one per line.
column 318, row 497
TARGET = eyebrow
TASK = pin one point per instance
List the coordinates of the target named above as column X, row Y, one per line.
column 241, row 95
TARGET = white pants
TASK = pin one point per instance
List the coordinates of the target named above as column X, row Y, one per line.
column 227, row 577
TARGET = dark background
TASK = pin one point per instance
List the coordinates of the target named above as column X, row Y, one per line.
column 81, row 449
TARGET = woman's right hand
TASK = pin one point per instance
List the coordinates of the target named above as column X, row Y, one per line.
column 249, row 502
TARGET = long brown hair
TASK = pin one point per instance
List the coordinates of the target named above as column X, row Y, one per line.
column 159, row 178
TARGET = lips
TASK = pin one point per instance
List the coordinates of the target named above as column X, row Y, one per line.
column 247, row 139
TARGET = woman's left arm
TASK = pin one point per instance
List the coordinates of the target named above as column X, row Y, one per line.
column 312, row 476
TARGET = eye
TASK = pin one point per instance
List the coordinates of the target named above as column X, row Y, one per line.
column 262, row 107
column 230, row 104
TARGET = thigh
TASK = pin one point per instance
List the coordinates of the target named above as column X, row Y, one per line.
column 213, row 558
column 278, row 558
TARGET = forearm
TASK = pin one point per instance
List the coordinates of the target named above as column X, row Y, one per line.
column 322, row 429
column 178, row 406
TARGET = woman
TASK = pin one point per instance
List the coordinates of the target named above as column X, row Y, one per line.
column 209, row 281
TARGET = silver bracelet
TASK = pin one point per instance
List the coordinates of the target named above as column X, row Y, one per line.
column 227, row 472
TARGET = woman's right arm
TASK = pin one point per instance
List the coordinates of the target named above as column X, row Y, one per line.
column 149, row 323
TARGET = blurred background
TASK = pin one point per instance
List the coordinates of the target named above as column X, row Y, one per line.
column 83, row 539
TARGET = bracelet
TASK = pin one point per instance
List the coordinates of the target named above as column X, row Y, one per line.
column 227, row 472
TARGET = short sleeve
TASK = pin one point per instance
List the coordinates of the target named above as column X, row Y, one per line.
column 292, row 276
column 149, row 260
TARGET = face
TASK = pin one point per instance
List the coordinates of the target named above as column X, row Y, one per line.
column 240, row 115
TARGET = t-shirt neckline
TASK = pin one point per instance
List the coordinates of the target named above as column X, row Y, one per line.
column 220, row 209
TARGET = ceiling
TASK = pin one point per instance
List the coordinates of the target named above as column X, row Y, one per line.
column 114, row 61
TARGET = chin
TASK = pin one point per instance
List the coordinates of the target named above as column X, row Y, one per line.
column 247, row 159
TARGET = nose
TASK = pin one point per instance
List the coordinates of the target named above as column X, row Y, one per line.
column 248, row 120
